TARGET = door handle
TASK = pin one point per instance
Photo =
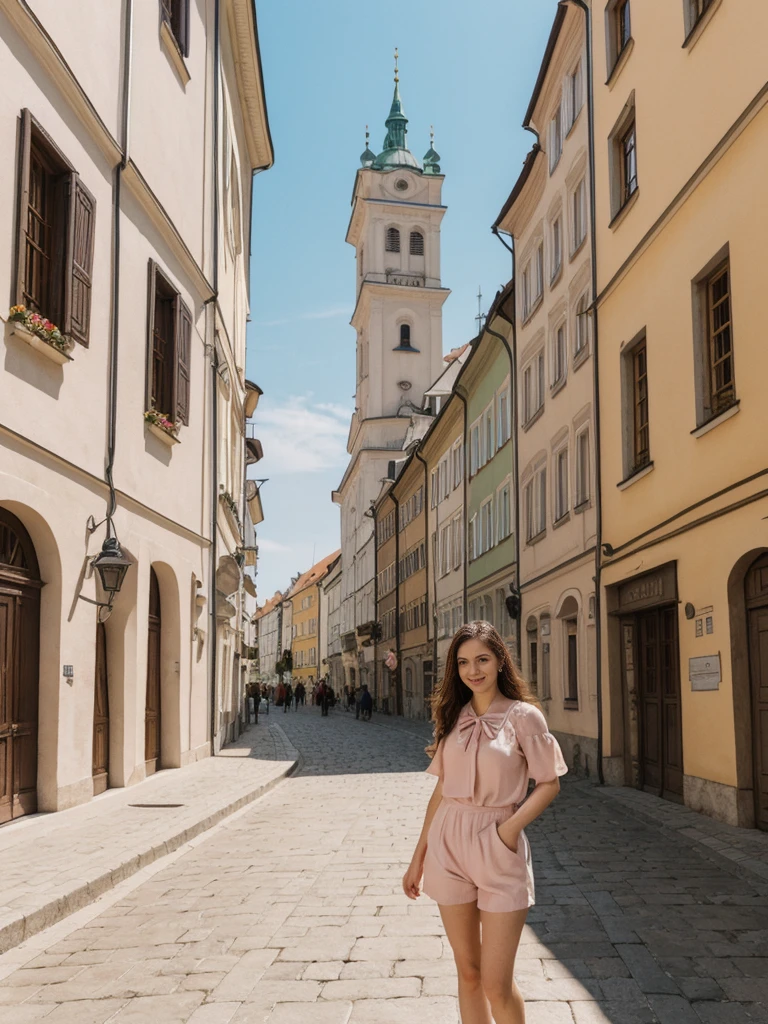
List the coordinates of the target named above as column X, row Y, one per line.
column 14, row 729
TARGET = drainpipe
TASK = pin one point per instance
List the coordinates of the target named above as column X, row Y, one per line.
column 214, row 510
column 596, row 389
column 512, row 354
column 465, row 491
column 398, row 681
column 422, row 460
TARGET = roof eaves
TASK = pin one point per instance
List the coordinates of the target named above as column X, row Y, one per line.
column 551, row 43
column 528, row 165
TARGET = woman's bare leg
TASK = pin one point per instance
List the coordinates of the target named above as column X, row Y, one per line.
column 500, row 939
column 462, row 926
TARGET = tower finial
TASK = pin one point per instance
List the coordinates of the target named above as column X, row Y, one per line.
column 432, row 135
column 397, row 74
column 367, row 136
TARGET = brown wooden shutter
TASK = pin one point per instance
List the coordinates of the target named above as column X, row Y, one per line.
column 151, row 293
column 79, row 266
column 183, row 354
column 25, row 145
column 183, row 41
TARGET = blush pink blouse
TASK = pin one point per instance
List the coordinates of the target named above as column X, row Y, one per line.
column 488, row 759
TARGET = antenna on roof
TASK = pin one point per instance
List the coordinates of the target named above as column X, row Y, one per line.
column 480, row 314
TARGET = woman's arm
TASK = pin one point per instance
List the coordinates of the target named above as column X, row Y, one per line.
column 540, row 798
column 413, row 875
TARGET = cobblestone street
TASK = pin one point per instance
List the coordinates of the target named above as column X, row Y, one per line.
column 290, row 912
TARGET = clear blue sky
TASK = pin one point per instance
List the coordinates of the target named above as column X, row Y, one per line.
column 328, row 71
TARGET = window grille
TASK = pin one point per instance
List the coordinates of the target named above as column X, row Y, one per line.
column 393, row 240
column 417, row 243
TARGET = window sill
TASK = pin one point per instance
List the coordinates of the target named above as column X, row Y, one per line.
column 162, row 435
column 173, row 52
column 582, row 507
column 574, row 121
column 715, row 421
column 619, row 63
column 696, row 31
column 535, row 540
column 575, row 252
column 558, row 385
column 557, row 275
column 40, row 345
column 570, row 705
column 580, row 357
column 565, row 518
column 536, row 416
column 634, row 476
column 622, row 212
column 405, row 348
column 534, row 309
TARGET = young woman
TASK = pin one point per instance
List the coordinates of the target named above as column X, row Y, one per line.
column 490, row 738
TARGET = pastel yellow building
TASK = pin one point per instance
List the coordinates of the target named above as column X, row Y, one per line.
column 681, row 222
column 305, row 601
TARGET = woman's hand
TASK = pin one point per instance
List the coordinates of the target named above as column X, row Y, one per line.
column 510, row 836
column 412, row 878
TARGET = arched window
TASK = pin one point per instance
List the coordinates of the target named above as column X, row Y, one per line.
column 582, row 325
column 393, row 240
column 405, row 335
column 417, row 243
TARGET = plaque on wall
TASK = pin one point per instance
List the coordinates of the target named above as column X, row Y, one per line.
column 704, row 673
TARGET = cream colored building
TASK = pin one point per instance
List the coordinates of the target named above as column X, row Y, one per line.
column 680, row 157
column 116, row 228
column 547, row 214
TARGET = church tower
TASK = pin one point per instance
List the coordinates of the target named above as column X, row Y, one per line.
column 395, row 230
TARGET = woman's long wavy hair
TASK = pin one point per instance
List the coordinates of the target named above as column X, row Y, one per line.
column 452, row 694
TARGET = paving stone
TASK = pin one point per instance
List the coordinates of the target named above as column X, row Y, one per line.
column 312, row 1013
column 372, row 988
column 428, row 1010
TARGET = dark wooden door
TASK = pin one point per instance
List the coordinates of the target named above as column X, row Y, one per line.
column 757, row 612
column 19, row 669
column 152, row 722
column 660, row 721
column 100, row 714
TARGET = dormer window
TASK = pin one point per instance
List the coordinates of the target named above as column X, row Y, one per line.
column 393, row 240
column 417, row 243
column 405, row 335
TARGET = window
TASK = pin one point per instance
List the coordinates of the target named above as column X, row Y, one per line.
column 472, row 538
column 488, row 434
column 539, row 279
column 456, row 542
column 536, row 504
column 170, row 336
column 503, row 424
column 575, row 94
column 433, row 489
column 486, row 526
column 503, row 515
column 579, row 214
column 545, row 630
column 623, row 25
column 533, row 387
column 533, row 654
column 176, row 14
column 581, row 332
column 559, row 356
column 417, row 243
column 444, row 484
column 572, row 679
column 557, row 246
column 555, row 138
column 54, row 255
column 527, row 297
column 561, row 484
column 533, row 280
column 719, row 341
column 628, row 163
column 582, row 468
column 445, row 550
column 694, row 12
column 458, row 464
column 405, row 335
column 640, row 440
column 392, row 243
column 474, row 449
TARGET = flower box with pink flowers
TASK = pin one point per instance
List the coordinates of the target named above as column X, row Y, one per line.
column 40, row 334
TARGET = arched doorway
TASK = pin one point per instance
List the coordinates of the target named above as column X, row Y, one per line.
column 152, row 707
column 19, row 668
column 101, row 714
column 756, row 595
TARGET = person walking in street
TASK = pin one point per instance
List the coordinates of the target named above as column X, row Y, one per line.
column 358, row 694
column 321, row 698
column 300, row 694
column 490, row 738
column 288, row 697
column 366, row 703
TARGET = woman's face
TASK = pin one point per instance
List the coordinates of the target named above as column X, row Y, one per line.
column 478, row 666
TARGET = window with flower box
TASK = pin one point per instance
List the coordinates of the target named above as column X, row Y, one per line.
column 168, row 349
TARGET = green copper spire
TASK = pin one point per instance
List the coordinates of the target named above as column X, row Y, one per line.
column 431, row 157
column 395, row 152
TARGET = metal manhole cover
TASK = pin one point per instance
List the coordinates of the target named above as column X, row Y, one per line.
column 156, row 805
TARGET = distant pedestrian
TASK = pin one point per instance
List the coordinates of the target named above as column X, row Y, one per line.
column 358, row 694
column 350, row 697
column 366, row 703
column 288, row 697
column 300, row 694
column 322, row 698
column 280, row 694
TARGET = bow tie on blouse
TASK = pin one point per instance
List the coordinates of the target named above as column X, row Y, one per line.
column 469, row 728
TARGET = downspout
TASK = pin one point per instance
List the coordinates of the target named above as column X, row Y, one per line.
column 465, row 482
column 596, row 389
column 422, row 460
column 512, row 354
column 398, row 681
column 213, row 627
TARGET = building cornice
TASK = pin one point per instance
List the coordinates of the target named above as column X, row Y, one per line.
column 378, row 289
column 243, row 30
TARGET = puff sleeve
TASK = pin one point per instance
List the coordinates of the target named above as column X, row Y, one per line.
column 540, row 748
column 436, row 764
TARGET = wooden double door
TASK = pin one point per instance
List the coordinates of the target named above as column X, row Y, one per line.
column 660, row 729
column 756, row 594
column 19, row 669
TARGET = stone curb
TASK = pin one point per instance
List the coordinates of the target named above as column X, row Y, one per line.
column 25, row 926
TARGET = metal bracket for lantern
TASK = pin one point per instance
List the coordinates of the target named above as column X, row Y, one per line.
column 111, row 564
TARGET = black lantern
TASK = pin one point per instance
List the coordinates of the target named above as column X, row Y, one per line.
column 513, row 601
column 111, row 565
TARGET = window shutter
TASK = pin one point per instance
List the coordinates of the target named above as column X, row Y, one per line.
column 79, row 265
column 183, row 347
column 25, row 146
column 151, row 293
column 184, row 27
